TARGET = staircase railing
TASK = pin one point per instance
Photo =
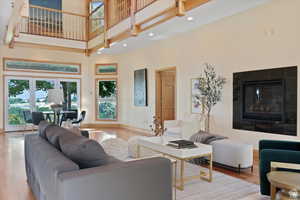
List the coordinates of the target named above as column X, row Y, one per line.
column 54, row 23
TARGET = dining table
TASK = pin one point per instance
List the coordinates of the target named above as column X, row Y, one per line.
column 57, row 116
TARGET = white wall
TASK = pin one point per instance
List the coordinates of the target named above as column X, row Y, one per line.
column 264, row 37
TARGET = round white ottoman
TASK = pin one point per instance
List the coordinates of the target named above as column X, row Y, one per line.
column 133, row 148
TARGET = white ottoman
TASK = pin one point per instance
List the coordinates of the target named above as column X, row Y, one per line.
column 233, row 154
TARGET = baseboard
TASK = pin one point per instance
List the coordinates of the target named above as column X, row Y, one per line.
column 100, row 125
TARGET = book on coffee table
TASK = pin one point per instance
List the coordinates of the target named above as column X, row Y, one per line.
column 181, row 144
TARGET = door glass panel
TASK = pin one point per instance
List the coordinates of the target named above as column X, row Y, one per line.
column 70, row 95
column 41, row 94
column 107, row 100
column 18, row 100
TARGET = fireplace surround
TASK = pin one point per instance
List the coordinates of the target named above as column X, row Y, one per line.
column 266, row 101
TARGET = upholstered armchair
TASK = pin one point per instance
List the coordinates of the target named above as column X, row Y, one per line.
column 275, row 151
column 182, row 128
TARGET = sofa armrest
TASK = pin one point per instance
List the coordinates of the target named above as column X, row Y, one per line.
column 283, row 165
column 142, row 179
column 274, row 155
column 276, row 144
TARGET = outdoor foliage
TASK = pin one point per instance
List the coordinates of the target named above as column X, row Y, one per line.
column 107, row 110
column 211, row 87
column 17, row 87
column 107, row 88
column 107, row 106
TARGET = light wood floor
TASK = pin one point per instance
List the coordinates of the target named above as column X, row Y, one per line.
column 13, row 184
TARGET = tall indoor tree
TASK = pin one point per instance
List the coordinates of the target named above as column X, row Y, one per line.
column 210, row 86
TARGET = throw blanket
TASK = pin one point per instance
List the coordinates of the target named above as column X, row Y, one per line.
column 206, row 138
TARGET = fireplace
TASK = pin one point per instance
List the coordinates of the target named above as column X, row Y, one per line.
column 266, row 101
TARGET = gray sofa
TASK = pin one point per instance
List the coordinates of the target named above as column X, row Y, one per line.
column 53, row 176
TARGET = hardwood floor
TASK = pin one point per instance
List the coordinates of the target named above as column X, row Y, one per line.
column 13, row 184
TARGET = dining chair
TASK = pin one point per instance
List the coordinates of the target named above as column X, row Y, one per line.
column 81, row 118
column 27, row 116
column 37, row 117
column 70, row 116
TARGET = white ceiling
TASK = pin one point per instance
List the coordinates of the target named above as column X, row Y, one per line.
column 205, row 14
column 5, row 10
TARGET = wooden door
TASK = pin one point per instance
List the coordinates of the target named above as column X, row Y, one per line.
column 166, row 95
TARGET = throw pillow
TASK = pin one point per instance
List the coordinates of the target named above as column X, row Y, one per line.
column 52, row 134
column 84, row 152
column 42, row 128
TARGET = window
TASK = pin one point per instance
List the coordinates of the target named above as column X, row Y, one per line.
column 96, row 15
column 106, row 99
column 39, row 66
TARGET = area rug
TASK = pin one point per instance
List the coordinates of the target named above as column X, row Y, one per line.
column 223, row 187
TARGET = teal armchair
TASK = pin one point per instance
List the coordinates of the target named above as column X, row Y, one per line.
column 275, row 151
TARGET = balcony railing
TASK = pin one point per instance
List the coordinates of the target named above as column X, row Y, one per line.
column 54, row 23
column 140, row 4
column 118, row 10
column 61, row 24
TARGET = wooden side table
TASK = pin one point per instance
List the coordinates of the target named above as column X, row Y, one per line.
column 288, row 182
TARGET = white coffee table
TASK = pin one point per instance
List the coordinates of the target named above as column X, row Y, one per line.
column 159, row 144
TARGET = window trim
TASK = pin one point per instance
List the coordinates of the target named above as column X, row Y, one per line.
column 40, row 71
column 97, row 66
column 97, row 80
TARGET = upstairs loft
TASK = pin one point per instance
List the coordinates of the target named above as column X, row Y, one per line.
column 105, row 22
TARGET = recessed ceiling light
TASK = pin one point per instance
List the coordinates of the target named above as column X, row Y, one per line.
column 99, row 52
column 151, row 34
column 124, row 45
column 190, row 18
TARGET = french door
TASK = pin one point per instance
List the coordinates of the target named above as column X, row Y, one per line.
column 23, row 94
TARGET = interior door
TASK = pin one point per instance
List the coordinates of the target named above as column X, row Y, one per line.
column 165, row 95
column 168, row 95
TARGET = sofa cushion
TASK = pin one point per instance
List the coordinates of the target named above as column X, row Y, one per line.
column 42, row 128
column 52, row 134
column 86, row 153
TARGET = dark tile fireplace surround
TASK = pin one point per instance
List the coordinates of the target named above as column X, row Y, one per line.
column 266, row 101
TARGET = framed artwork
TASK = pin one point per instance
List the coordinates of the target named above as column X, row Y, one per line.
column 196, row 101
column 140, row 88
column 24, row 65
column 107, row 69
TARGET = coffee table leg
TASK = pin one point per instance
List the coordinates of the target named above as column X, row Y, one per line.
column 182, row 175
column 210, row 167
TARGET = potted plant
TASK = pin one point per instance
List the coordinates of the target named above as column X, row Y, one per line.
column 210, row 87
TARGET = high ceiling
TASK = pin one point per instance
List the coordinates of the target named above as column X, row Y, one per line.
column 205, row 14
